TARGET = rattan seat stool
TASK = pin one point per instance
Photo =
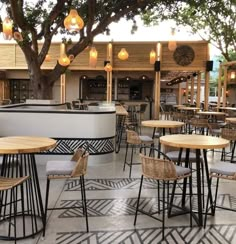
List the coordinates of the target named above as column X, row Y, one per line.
column 229, row 134
column 134, row 140
column 221, row 170
column 74, row 168
column 11, row 184
column 164, row 170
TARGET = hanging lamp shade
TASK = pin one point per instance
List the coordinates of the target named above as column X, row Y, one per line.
column 152, row 56
column 123, row 54
column 7, row 28
column 93, row 54
column 47, row 58
column 172, row 42
column 108, row 67
column 73, row 22
column 64, row 60
column 232, row 75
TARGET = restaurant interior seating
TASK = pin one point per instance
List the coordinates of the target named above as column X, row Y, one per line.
column 165, row 171
column 66, row 169
column 220, row 170
column 12, row 184
column 135, row 140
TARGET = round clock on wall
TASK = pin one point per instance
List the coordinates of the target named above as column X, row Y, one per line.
column 184, row 55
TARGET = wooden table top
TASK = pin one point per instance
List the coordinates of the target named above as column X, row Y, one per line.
column 120, row 110
column 25, row 144
column 194, row 141
column 211, row 113
column 232, row 120
column 227, row 108
column 188, row 108
column 162, row 123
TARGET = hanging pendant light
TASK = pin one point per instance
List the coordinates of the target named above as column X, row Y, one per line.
column 47, row 58
column 73, row 22
column 7, row 28
column 172, row 42
column 108, row 67
column 93, row 57
column 152, row 56
column 64, row 60
column 123, row 54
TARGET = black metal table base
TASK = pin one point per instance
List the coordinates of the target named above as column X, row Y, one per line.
column 28, row 204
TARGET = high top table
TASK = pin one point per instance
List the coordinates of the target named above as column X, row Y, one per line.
column 197, row 142
column 19, row 160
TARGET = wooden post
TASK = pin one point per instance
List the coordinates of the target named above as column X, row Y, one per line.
column 179, row 94
column 186, row 93
column 225, row 85
column 206, row 97
column 109, row 74
column 192, row 89
column 219, row 87
column 198, row 99
column 157, row 95
column 63, row 76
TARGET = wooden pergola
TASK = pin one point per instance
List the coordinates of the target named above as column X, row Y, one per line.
column 222, row 90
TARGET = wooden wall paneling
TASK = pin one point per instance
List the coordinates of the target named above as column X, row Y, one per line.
column 138, row 56
column 7, row 54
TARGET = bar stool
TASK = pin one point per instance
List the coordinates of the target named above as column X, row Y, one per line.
column 63, row 169
column 11, row 184
column 134, row 140
column 221, row 170
column 164, row 170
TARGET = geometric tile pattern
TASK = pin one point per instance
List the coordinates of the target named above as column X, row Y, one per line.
column 125, row 206
column 113, row 184
column 217, row 234
column 67, row 146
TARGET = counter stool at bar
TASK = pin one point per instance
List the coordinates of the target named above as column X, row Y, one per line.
column 71, row 169
column 164, row 170
column 221, row 170
column 135, row 140
column 12, row 184
column 229, row 134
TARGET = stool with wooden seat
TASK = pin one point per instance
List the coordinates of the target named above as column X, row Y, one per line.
column 135, row 140
column 164, row 170
column 68, row 169
column 12, row 184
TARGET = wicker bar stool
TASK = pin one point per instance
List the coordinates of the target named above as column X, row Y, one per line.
column 221, row 170
column 134, row 140
column 164, row 170
column 11, row 184
column 229, row 134
column 74, row 168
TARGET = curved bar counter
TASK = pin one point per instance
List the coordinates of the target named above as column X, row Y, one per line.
column 70, row 128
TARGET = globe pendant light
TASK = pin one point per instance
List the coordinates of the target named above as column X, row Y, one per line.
column 73, row 22
column 64, row 60
column 108, row 67
column 7, row 28
column 123, row 54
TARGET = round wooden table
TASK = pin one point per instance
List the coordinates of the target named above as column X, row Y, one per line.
column 162, row 124
column 196, row 142
column 19, row 160
column 231, row 120
column 212, row 115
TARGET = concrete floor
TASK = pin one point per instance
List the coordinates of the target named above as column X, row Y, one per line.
column 111, row 201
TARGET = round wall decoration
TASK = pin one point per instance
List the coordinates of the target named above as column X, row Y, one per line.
column 184, row 55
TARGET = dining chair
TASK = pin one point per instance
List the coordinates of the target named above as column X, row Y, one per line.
column 68, row 169
column 12, row 184
column 165, row 171
column 229, row 134
column 134, row 140
column 220, row 170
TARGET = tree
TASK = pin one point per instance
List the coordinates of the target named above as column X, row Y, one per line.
column 40, row 20
column 214, row 21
